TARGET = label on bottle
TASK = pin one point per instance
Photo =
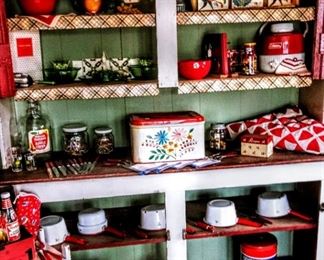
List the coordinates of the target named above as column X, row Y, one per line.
column 13, row 231
column 38, row 141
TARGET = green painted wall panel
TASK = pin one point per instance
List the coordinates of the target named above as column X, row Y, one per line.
column 141, row 252
column 225, row 107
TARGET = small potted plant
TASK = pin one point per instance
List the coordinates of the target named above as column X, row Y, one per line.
column 145, row 69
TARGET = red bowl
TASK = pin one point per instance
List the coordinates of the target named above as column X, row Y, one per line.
column 194, row 69
column 37, row 7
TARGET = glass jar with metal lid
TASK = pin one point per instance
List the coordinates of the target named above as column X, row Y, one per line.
column 217, row 137
column 103, row 140
column 75, row 139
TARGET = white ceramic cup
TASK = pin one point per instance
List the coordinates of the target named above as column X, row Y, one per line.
column 153, row 217
column 53, row 230
column 273, row 204
column 221, row 213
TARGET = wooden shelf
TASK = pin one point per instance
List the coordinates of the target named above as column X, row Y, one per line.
column 247, row 15
column 287, row 223
column 72, row 22
column 40, row 92
column 259, row 81
column 125, row 220
column 102, row 170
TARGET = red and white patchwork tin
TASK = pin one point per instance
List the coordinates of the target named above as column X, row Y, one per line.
column 170, row 136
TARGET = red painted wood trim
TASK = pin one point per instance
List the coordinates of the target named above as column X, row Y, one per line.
column 318, row 61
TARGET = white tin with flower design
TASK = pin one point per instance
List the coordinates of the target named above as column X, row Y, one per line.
column 170, row 136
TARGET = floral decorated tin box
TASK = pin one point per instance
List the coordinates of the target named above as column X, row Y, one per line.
column 170, row 136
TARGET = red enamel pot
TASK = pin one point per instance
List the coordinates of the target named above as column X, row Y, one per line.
column 37, row 7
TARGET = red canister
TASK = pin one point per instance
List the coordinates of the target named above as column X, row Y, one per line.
column 259, row 247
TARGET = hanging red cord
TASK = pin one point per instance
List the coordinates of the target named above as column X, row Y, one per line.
column 7, row 83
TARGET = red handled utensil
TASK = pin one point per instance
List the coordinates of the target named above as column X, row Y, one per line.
column 140, row 233
column 248, row 222
column 75, row 240
column 201, row 225
column 115, row 232
column 300, row 215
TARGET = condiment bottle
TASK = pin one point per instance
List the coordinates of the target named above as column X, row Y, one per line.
column 217, row 137
column 249, row 60
column 75, row 139
column 103, row 140
column 38, row 131
column 10, row 218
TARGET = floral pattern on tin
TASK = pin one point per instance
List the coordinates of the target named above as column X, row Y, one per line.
column 171, row 143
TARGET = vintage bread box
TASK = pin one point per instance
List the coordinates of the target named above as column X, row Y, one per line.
column 170, row 136
column 257, row 145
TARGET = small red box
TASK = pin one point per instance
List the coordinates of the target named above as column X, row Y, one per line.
column 257, row 145
column 23, row 249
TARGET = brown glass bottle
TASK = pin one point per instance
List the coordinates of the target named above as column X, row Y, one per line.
column 10, row 218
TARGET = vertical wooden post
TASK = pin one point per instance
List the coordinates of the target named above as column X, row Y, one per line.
column 7, row 84
column 5, row 113
column 166, row 34
column 318, row 47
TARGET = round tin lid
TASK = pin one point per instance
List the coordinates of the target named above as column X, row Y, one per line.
column 165, row 118
column 74, row 128
column 103, row 130
column 217, row 126
column 263, row 245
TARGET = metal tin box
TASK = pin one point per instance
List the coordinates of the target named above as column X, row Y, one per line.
column 171, row 136
column 257, row 145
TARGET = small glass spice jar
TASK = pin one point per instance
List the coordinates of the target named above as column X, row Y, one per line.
column 75, row 139
column 217, row 137
column 249, row 60
column 103, row 140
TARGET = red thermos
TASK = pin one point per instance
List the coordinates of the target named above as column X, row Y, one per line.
column 7, row 83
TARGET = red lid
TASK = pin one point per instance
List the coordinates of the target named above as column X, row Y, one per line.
column 166, row 118
column 260, row 246
column 256, row 139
